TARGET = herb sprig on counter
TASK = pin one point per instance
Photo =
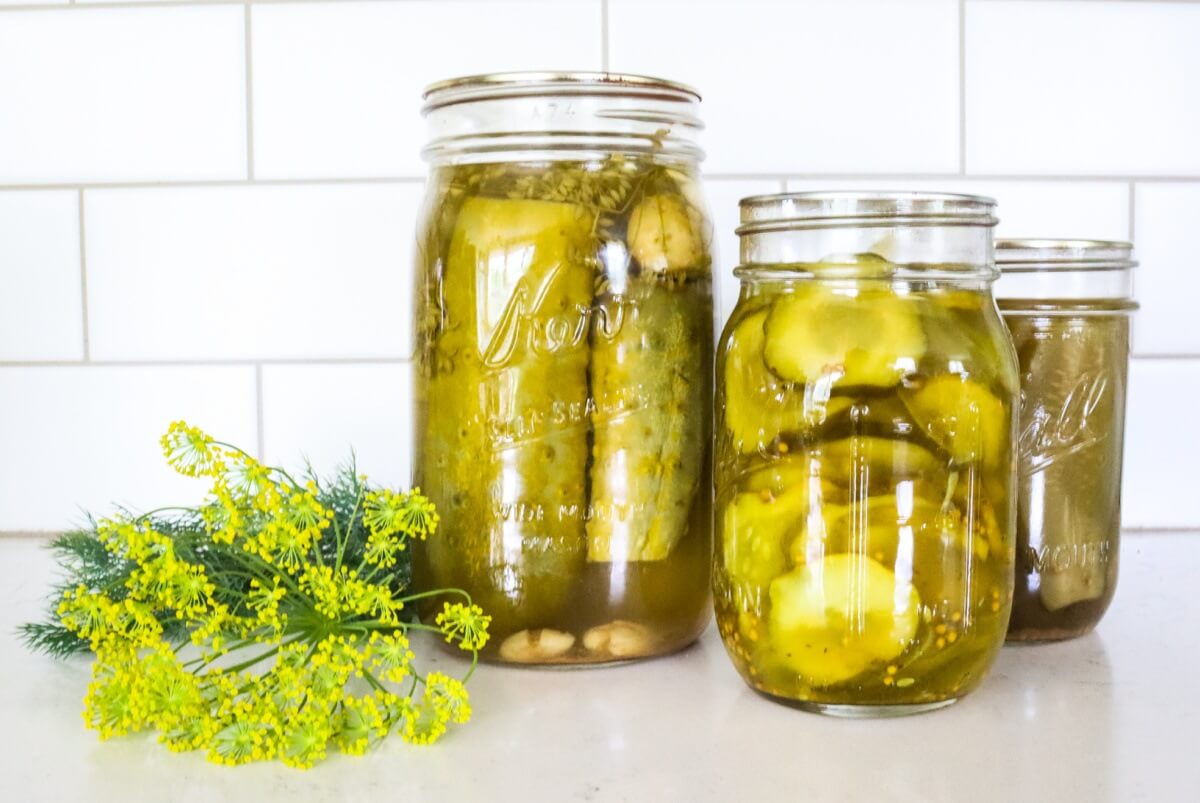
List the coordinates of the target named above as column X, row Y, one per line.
column 270, row 622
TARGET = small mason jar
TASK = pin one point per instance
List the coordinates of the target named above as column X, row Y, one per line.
column 1068, row 305
column 865, row 423
column 563, row 363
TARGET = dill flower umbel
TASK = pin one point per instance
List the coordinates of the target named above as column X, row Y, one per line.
column 266, row 624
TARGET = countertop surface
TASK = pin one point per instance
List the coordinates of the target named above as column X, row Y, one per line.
column 1111, row 716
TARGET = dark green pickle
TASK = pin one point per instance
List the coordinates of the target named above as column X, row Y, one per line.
column 1067, row 304
column 1073, row 359
column 564, row 352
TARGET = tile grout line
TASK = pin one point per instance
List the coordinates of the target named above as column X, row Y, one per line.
column 715, row 176
column 260, row 437
column 249, row 70
column 214, row 362
column 313, row 361
column 83, row 285
column 604, row 61
column 962, row 87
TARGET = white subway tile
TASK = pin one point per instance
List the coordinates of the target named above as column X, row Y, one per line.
column 325, row 413
column 122, row 94
column 84, row 438
column 1167, row 280
column 41, row 306
column 277, row 271
column 723, row 196
column 1161, row 440
column 337, row 86
column 830, row 86
column 1083, row 88
column 1081, row 209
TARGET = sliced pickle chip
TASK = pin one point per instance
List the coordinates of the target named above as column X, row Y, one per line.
column 860, row 337
column 758, row 526
column 834, row 619
column 867, row 461
column 759, row 406
column 917, row 538
column 666, row 235
column 961, row 416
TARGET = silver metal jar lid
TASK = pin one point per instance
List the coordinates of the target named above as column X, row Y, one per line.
column 494, row 86
column 849, row 208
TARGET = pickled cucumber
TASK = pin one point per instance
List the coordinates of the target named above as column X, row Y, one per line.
column 834, row 619
column 564, row 372
column 650, row 426
column 867, row 559
column 851, row 336
column 499, row 456
column 962, row 416
column 760, row 406
column 666, row 234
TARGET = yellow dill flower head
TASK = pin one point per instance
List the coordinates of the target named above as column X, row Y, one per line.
column 191, row 452
column 305, row 737
column 424, row 723
column 360, row 724
column 449, row 695
column 390, row 655
column 387, row 513
column 467, row 623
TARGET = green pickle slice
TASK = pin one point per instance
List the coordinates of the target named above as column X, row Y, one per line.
column 854, row 336
column 650, row 431
column 759, row 406
column 834, row 619
column 960, row 415
column 507, row 439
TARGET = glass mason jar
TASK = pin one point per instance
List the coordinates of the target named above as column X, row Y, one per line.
column 865, row 419
column 564, row 322
column 1067, row 304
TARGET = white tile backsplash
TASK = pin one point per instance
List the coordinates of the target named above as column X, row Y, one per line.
column 122, row 94
column 251, row 272
column 41, row 304
column 1160, row 442
column 77, row 439
column 723, row 196
column 337, row 87
column 806, row 87
column 233, row 235
column 1168, row 279
column 1101, row 88
column 326, row 413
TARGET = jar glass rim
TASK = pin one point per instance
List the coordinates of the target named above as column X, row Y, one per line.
column 1034, row 254
column 848, row 208
column 492, row 86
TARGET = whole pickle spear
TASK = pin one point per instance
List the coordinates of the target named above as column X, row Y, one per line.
column 506, row 413
column 651, row 396
column 650, row 424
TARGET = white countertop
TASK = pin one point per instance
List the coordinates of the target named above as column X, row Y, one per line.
column 1112, row 716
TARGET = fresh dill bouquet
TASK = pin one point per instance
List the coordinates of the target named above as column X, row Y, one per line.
column 270, row 622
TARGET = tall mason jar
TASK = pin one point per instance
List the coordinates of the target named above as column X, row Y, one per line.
column 563, row 362
column 1068, row 305
column 865, row 421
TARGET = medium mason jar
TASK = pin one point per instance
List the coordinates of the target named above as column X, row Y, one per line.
column 1068, row 305
column 865, row 420
column 563, row 363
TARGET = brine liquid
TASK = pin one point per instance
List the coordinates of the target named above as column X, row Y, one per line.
column 562, row 396
column 864, row 489
column 1073, row 362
